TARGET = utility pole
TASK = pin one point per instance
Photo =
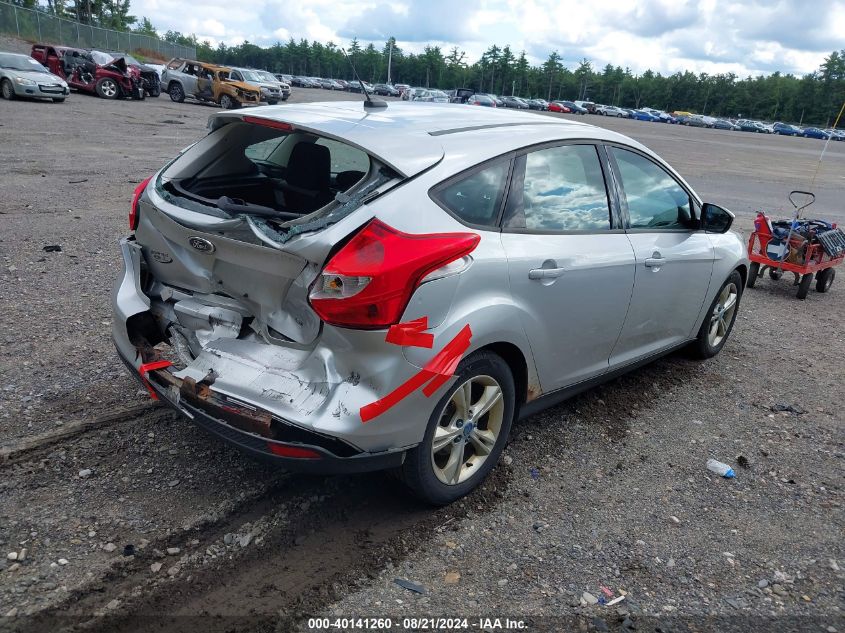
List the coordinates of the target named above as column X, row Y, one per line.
column 389, row 61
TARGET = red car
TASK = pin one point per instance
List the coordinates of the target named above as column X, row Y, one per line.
column 90, row 71
column 557, row 106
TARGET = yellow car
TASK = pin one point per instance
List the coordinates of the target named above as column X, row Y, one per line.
column 206, row 82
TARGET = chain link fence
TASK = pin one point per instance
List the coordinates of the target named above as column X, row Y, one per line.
column 39, row 26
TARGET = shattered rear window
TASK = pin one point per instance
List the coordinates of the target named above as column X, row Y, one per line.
column 271, row 175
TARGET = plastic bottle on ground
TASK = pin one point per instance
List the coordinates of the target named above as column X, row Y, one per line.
column 720, row 469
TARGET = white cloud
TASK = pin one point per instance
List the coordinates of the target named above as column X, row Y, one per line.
column 741, row 36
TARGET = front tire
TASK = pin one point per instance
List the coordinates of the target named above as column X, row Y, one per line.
column 753, row 274
column 466, row 432
column 720, row 318
column 227, row 103
column 107, row 88
column 177, row 94
column 7, row 90
column 804, row 286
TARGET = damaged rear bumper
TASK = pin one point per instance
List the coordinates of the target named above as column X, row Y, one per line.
column 264, row 398
column 258, row 433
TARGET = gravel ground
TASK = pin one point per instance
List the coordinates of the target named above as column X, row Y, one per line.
column 140, row 516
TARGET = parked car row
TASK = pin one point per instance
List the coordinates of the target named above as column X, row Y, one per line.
column 759, row 127
column 51, row 72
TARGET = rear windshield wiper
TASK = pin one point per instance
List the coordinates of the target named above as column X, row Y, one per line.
column 237, row 205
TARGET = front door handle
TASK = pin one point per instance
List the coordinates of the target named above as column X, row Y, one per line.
column 545, row 273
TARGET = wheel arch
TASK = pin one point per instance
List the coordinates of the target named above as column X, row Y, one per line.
column 742, row 269
column 518, row 365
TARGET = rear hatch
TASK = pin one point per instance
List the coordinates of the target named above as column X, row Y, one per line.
column 236, row 228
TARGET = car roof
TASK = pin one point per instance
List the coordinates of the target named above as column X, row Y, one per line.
column 411, row 137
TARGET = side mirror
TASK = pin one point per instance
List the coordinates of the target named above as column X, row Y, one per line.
column 716, row 219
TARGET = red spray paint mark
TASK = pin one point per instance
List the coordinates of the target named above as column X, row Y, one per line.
column 148, row 367
column 436, row 373
column 411, row 334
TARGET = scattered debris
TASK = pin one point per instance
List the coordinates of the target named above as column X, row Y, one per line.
column 788, row 408
column 535, row 474
column 589, row 598
column 452, row 577
column 109, row 547
column 53, row 248
column 155, row 567
column 77, row 182
column 616, row 600
column 129, row 550
column 173, row 551
column 675, row 520
column 743, row 462
column 85, row 473
column 12, row 556
column 606, row 591
column 63, row 561
column 410, row 586
column 720, row 468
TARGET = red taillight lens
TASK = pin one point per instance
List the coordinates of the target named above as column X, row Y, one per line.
column 278, row 125
column 296, row 452
column 369, row 282
column 136, row 197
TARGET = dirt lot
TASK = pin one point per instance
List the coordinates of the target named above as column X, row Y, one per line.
column 123, row 516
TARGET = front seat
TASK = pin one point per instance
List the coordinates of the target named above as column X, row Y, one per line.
column 308, row 177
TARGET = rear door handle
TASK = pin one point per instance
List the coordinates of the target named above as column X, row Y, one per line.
column 655, row 261
column 545, row 273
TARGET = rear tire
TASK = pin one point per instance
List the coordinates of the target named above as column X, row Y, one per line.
column 719, row 319
column 486, row 378
column 775, row 274
column 824, row 280
column 804, row 286
column 753, row 273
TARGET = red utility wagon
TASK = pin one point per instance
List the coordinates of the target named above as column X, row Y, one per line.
column 808, row 249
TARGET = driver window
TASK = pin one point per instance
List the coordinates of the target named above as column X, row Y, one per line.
column 655, row 199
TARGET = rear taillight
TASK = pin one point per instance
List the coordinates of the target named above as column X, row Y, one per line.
column 368, row 283
column 136, row 198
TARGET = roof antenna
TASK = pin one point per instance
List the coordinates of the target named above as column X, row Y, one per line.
column 369, row 103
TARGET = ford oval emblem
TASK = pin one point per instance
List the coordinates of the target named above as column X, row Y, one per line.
column 201, row 244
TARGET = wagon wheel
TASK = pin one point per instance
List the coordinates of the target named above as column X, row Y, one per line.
column 804, row 286
column 753, row 273
column 775, row 273
column 824, row 280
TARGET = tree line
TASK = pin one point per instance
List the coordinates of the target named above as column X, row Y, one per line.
column 814, row 98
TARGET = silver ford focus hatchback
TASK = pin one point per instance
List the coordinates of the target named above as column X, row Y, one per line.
column 343, row 289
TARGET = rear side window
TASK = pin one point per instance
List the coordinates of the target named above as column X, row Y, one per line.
column 655, row 199
column 476, row 197
column 563, row 191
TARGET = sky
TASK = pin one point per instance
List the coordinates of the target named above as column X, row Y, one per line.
column 746, row 37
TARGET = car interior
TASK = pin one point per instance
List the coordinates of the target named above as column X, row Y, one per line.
column 290, row 174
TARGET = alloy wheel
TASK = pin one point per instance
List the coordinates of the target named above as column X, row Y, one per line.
column 722, row 316
column 109, row 88
column 468, row 429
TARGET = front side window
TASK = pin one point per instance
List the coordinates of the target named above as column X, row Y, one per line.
column 655, row 199
column 477, row 197
column 563, row 190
